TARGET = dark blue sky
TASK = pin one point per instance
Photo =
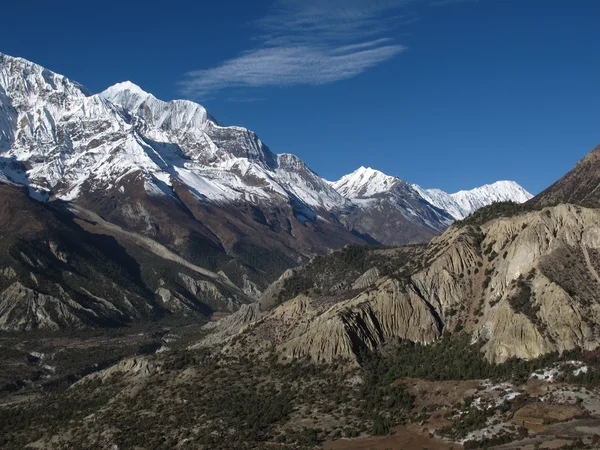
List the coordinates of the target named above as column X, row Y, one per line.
column 444, row 93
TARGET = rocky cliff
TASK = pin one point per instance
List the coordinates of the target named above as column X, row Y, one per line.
column 521, row 286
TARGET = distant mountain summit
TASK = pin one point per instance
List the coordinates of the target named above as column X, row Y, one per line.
column 396, row 213
column 364, row 182
column 388, row 208
column 462, row 203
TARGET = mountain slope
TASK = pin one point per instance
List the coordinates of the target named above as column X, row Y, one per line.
column 580, row 186
column 523, row 284
column 215, row 195
column 396, row 213
column 58, row 271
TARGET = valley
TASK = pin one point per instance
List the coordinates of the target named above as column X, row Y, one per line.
column 167, row 281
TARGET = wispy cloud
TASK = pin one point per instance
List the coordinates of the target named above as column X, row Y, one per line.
column 308, row 42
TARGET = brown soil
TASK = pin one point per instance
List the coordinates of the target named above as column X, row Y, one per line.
column 536, row 416
column 434, row 393
column 218, row 315
column 404, row 439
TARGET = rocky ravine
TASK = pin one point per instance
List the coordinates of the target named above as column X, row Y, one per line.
column 522, row 286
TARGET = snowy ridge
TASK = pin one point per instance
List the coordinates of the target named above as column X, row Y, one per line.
column 501, row 191
column 364, row 182
column 462, row 203
column 442, row 200
column 73, row 142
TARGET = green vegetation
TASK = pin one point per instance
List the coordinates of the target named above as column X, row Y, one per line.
column 268, row 263
column 496, row 210
column 222, row 402
column 522, row 301
column 212, row 401
column 453, row 358
column 335, row 273
column 590, row 378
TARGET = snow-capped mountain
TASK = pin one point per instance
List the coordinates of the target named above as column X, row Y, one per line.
column 412, row 211
column 170, row 171
column 364, row 182
column 388, row 209
column 73, row 140
column 164, row 169
column 462, row 203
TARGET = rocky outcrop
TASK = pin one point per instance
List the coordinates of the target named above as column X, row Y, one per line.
column 302, row 328
column 366, row 279
column 269, row 296
column 209, row 294
column 363, row 323
column 22, row 309
column 508, row 283
column 222, row 330
column 137, row 367
column 173, row 301
column 8, row 273
column 579, row 186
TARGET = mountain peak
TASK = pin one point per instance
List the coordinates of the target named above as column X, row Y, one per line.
column 126, row 86
column 364, row 182
column 126, row 94
column 462, row 203
column 176, row 115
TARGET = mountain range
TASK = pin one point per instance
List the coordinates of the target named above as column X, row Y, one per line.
column 193, row 289
column 167, row 176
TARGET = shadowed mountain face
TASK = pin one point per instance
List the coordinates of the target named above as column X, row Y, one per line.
column 57, row 270
column 580, row 186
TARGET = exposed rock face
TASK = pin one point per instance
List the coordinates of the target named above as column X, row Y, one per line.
column 230, row 326
column 269, row 297
column 210, row 293
column 8, row 273
column 365, row 322
column 137, row 367
column 366, row 279
column 509, row 283
column 548, row 318
column 22, row 309
column 579, row 186
column 512, row 300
